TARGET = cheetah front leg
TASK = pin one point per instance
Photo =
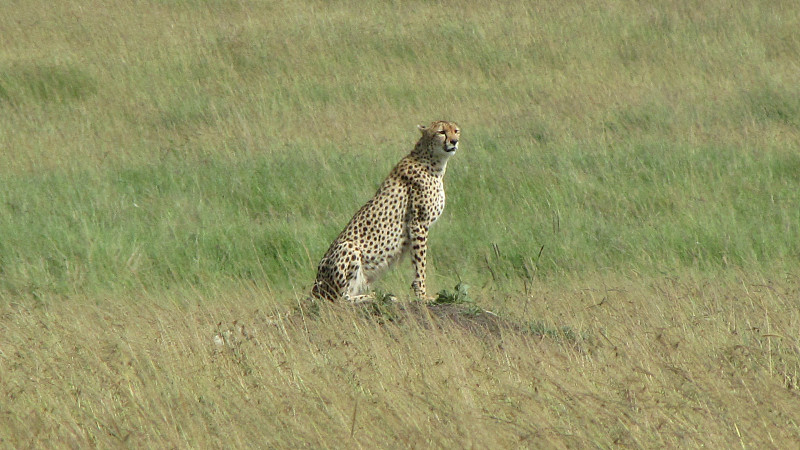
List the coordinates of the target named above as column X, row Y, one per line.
column 419, row 249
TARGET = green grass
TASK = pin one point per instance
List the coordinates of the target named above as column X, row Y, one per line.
column 651, row 207
column 46, row 84
column 160, row 152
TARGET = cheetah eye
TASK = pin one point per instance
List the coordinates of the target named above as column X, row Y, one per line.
column 442, row 132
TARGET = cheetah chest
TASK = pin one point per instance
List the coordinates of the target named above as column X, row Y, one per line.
column 382, row 229
column 436, row 204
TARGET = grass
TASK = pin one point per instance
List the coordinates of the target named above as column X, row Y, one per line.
column 627, row 189
column 704, row 363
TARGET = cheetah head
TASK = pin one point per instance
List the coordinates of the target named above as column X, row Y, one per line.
column 442, row 136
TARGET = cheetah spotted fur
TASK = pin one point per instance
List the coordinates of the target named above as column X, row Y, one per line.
column 393, row 223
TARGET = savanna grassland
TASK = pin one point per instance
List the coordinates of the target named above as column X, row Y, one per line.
column 625, row 201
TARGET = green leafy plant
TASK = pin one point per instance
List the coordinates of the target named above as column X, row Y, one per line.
column 457, row 296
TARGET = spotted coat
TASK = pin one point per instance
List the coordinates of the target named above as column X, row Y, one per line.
column 393, row 223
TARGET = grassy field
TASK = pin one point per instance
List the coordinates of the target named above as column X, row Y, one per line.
column 626, row 199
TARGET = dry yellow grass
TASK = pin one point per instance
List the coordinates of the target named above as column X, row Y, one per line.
column 634, row 362
column 171, row 174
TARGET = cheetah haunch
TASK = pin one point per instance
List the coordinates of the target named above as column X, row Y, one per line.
column 394, row 222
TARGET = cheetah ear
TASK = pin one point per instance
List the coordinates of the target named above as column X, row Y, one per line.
column 422, row 128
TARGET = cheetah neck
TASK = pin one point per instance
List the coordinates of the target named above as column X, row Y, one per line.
column 435, row 165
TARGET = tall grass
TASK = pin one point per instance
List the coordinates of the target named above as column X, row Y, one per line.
column 628, row 172
column 656, row 137
column 703, row 364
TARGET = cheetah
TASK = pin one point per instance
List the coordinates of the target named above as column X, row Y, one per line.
column 393, row 223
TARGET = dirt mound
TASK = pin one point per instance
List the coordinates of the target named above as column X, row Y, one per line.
column 451, row 309
column 463, row 315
